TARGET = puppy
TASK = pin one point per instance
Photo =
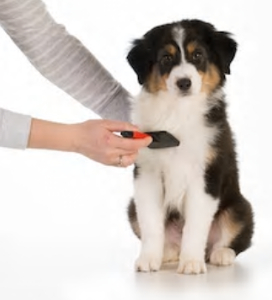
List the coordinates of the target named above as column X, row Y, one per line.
column 187, row 204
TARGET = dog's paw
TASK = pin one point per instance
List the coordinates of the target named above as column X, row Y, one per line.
column 191, row 266
column 148, row 262
column 222, row 257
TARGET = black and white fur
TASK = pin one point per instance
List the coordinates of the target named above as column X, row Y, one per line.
column 187, row 204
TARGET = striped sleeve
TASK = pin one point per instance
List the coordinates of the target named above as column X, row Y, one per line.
column 62, row 59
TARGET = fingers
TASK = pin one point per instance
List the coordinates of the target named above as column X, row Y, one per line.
column 124, row 161
column 123, row 143
column 128, row 160
column 99, row 142
column 119, row 126
column 131, row 145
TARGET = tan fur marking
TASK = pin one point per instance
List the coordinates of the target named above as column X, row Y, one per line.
column 229, row 229
column 191, row 47
column 210, row 79
column 211, row 155
column 156, row 82
column 136, row 228
column 171, row 49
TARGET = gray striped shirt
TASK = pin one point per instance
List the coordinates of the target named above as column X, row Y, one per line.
column 63, row 60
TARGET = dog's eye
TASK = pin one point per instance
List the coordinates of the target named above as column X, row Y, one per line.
column 197, row 56
column 166, row 60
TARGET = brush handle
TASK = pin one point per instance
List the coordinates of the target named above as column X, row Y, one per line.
column 134, row 134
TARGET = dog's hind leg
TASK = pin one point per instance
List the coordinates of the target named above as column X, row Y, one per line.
column 133, row 220
column 230, row 233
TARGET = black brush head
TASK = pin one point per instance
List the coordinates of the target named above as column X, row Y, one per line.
column 161, row 139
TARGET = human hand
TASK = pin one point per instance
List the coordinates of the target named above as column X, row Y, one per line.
column 96, row 139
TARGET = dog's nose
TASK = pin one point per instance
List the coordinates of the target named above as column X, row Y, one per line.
column 184, row 84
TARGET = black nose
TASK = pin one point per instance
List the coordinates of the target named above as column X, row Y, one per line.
column 184, row 84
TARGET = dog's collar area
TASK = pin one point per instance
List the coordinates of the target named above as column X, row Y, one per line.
column 160, row 139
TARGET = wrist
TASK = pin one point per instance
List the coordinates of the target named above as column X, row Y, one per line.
column 51, row 135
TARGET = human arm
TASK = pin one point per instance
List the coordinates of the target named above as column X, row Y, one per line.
column 95, row 139
column 62, row 59
column 14, row 129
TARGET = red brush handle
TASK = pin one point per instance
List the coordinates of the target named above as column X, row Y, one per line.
column 134, row 134
column 139, row 135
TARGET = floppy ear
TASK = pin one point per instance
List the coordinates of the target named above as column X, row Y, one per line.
column 139, row 58
column 226, row 49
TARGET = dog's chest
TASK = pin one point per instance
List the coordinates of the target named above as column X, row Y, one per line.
column 185, row 118
column 178, row 166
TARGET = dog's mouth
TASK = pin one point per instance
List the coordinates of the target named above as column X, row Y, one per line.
column 184, row 94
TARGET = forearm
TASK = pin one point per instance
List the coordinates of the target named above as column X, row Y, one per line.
column 95, row 139
column 62, row 59
column 51, row 136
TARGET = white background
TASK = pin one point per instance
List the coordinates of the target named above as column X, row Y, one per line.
column 63, row 226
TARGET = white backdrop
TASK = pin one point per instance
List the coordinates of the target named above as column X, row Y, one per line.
column 63, row 226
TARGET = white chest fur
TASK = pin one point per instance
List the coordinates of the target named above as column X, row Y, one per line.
column 184, row 117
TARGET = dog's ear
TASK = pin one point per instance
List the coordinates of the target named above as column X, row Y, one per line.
column 226, row 49
column 139, row 58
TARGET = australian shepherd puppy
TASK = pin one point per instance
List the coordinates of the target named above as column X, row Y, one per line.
column 187, row 204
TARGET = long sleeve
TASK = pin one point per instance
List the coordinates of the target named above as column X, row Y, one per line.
column 14, row 129
column 62, row 59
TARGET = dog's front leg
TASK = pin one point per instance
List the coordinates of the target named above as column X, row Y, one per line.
column 199, row 209
column 149, row 206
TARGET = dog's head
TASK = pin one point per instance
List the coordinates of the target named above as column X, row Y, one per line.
column 185, row 58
